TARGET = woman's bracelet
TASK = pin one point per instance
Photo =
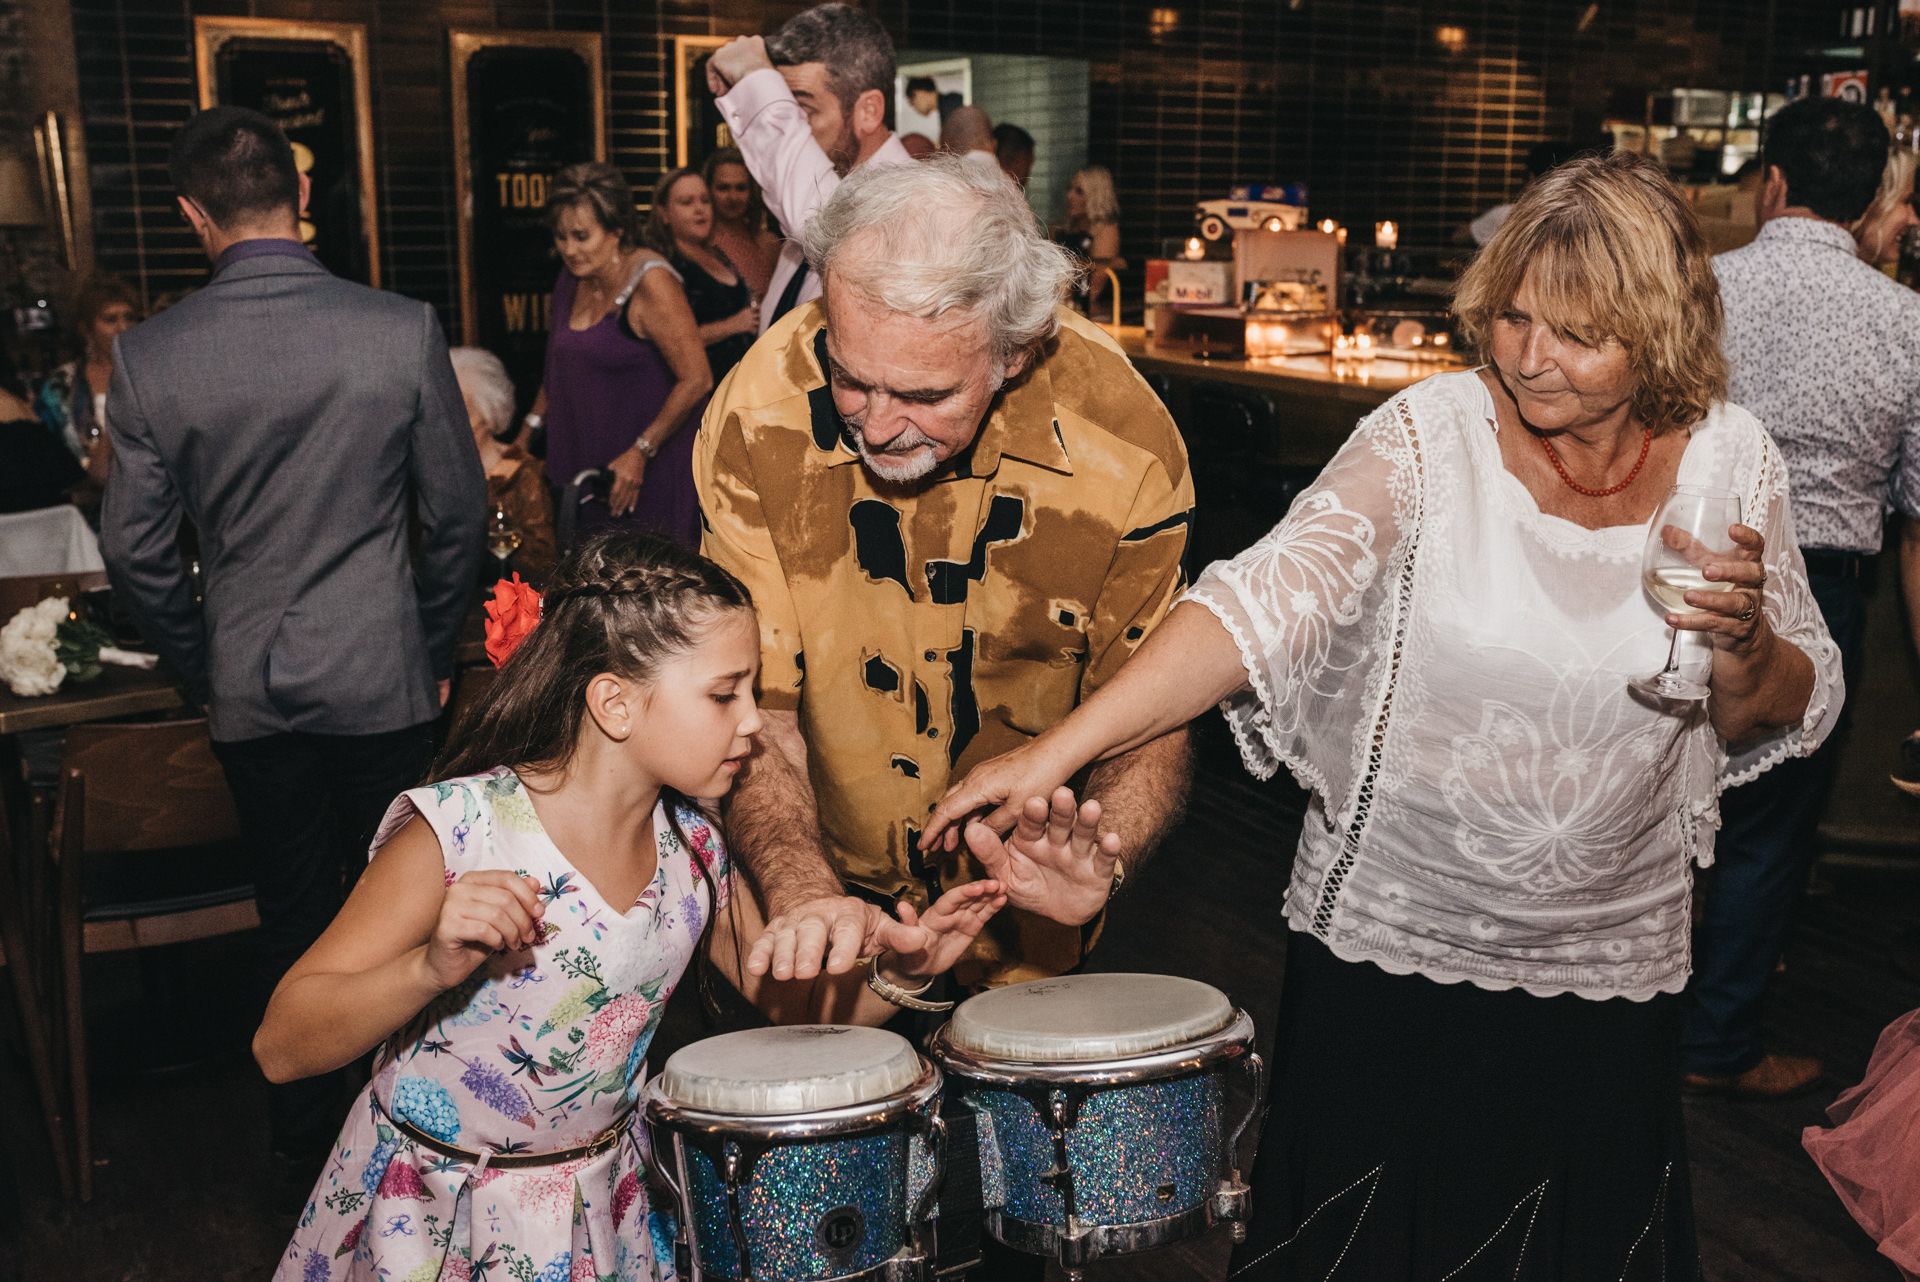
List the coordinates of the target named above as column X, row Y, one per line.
column 898, row 996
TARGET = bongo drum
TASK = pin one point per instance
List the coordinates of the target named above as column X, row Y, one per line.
column 788, row 1150
column 1102, row 1108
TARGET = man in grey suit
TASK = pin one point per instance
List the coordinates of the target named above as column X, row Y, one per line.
column 293, row 417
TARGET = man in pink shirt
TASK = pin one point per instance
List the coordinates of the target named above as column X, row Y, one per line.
column 805, row 107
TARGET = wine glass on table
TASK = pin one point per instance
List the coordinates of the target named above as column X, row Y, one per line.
column 503, row 537
column 1689, row 533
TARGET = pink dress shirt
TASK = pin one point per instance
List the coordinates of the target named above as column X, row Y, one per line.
column 794, row 174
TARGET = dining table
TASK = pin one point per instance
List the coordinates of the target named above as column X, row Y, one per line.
column 130, row 692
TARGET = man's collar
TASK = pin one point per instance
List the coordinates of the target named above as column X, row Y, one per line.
column 1020, row 419
column 263, row 247
column 1808, row 231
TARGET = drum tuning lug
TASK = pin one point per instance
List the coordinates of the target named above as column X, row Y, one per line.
column 1237, row 1231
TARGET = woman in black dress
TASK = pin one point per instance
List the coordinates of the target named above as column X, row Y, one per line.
column 680, row 227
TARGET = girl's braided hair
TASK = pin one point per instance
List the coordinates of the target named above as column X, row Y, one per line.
column 622, row 602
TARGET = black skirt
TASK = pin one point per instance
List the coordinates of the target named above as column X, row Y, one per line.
column 1422, row 1132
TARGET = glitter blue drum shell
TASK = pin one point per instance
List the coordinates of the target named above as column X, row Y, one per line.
column 1138, row 1153
column 794, row 1190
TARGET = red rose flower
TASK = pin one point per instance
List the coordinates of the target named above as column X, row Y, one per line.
column 513, row 612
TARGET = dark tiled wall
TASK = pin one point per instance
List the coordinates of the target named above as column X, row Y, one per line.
column 1404, row 109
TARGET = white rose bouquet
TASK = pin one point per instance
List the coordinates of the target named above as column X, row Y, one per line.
column 29, row 664
column 42, row 645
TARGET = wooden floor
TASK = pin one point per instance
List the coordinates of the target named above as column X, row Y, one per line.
column 180, row 1172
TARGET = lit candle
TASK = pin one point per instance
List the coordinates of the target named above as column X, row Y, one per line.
column 1196, row 248
column 1386, row 235
column 1363, row 349
column 1340, row 234
column 1329, row 226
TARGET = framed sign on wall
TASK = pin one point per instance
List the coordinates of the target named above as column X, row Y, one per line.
column 699, row 129
column 310, row 78
column 526, row 104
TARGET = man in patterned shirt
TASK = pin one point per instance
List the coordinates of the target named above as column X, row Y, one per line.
column 959, row 510
column 1820, row 345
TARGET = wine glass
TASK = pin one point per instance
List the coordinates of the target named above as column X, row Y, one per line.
column 1688, row 533
column 503, row 537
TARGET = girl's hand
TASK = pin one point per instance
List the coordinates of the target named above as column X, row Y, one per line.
column 1731, row 614
column 629, row 470
column 950, row 925
column 746, row 320
column 484, row 913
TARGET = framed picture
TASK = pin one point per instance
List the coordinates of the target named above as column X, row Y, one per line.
column 310, row 78
column 526, row 104
column 925, row 94
column 699, row 130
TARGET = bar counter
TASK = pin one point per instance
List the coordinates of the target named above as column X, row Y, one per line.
column 1317, row 407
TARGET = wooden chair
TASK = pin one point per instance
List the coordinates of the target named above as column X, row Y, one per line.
column 21, row 591
column 35, row 1030
column 146, row 802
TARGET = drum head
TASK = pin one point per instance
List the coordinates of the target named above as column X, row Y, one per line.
column 1085, row 1018
column 803, row 1068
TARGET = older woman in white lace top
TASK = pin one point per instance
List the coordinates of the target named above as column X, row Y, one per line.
column 1489, row 906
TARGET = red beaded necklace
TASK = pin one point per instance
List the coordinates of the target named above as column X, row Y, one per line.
column 1646, row 443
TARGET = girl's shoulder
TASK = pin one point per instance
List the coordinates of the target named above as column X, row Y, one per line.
column 472, row 815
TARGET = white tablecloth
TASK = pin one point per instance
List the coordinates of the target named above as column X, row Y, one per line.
column 48, row 540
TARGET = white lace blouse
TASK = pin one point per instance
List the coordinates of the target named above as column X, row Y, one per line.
column 1445, row 667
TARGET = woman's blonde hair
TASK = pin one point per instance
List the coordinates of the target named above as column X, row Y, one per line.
column 1103, row 206
column 1896, row 188
column 1613, row 253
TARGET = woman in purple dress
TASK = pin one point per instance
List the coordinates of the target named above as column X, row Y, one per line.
column 626, row 377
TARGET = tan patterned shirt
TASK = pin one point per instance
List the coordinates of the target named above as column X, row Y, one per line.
column 920, row 633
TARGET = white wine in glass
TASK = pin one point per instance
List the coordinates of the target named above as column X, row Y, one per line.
column 1688, row 533
column 503, row 537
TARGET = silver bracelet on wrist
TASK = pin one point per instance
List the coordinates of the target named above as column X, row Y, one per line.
column 898, row 996
column 646, row 447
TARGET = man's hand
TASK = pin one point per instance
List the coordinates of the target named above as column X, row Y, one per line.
column 839, row 930
column 445, row 688
column 1055, row 863
column 735, row 61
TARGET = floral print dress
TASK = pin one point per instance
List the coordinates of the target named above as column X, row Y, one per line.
column 522, row 1058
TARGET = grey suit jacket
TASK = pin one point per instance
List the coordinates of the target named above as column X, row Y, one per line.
column 291, row 414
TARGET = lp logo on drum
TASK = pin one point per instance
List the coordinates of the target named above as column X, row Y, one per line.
column 841, row 1230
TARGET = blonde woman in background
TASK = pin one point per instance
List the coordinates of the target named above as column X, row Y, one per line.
column 1092, row 231
column 1880, row 231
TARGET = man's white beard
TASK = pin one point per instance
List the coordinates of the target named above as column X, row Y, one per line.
column 899, row 468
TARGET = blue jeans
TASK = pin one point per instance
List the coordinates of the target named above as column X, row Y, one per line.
column 1761, row 862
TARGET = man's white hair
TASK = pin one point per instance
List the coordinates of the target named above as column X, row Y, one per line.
column 484, row 378
column 939, row 236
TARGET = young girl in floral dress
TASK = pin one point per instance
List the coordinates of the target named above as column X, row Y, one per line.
column 513, row 942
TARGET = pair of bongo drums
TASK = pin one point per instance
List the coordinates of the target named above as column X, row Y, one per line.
column 815, row 1153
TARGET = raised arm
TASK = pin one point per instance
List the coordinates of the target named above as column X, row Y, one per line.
column 139, row 523
column 770, row 127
